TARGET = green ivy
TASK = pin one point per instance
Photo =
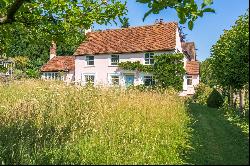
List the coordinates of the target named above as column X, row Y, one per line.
column 168, row 69
column 136, row 66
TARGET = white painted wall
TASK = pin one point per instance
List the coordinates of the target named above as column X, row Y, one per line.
column 189, row 89
column 178, row 41
column 103, row 70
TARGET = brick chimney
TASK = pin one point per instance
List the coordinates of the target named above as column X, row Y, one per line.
column 52, row 50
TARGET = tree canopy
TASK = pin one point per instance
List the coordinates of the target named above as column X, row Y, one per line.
column 230, row 55
column 187, row 10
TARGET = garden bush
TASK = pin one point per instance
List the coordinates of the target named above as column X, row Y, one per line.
column 202, row 92
column 215, row 99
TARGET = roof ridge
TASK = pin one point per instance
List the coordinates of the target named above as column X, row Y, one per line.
column 157, row 24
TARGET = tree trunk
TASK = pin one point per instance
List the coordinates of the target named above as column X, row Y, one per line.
column 12, row 10
column 241, row 101
column 231, row 96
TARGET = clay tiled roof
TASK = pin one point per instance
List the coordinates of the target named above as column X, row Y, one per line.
column 189, row 48
column 59, row 63
column 157, row 37
column 192, row 67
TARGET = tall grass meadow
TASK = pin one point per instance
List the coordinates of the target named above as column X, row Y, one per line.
column 47, row 122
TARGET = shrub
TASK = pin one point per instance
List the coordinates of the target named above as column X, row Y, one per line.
column 215, row 99
column 202, row 92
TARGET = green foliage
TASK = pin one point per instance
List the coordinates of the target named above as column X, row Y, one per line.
column 21, row 62
column 3, row 69
column 37, row 23
column 168, row 70
column 32, row 73
column 128, row 65
column 202, row 92
column 58, row 17
column 30, row 47
column 187, row 10
column 230, row 56
column 19, row 74
column 215, row 99
column 47, row 122
column 125, row 22
column 206, row 73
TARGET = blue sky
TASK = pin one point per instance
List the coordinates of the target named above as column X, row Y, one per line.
column 207, row 29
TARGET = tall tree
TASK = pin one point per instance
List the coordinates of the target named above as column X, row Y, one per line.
column 230, row 56
column 82, row 12
column 206, row 73
column 27, row 27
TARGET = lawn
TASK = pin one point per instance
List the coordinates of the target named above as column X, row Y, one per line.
column 216, row 140
column 43, row 122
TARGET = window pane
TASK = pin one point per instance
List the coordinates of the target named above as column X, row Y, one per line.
column 89, row 78
column 149, row 58
column 115, row 80
column 152, row 61
column 189, row 80
column 148, row 80
column 90, row 60
column 114, row 59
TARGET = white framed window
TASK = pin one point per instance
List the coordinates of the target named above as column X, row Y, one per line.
column 148, row 80
column 53, row 76
column 149, row 58
column 115, row 80
column 90, row 60
column 189, row 80
column 114, row 60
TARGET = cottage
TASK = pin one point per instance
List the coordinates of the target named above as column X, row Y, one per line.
column 58, row 67
column 96, row 59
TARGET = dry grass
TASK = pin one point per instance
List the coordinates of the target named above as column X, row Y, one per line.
column 50, row 123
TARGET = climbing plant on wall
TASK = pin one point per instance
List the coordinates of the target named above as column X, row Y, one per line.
column 168, row 69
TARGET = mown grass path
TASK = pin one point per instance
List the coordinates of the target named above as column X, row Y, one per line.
column 215, row 139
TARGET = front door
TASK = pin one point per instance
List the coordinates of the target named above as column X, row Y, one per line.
column 129, row 80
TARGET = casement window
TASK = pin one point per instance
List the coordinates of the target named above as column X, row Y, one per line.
column 114, row 60
column 53, row 76
column 149, row 58
column 189, row 80
column 115, row 80
column 89, row 79
column 149, row 80
column 90, row 60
